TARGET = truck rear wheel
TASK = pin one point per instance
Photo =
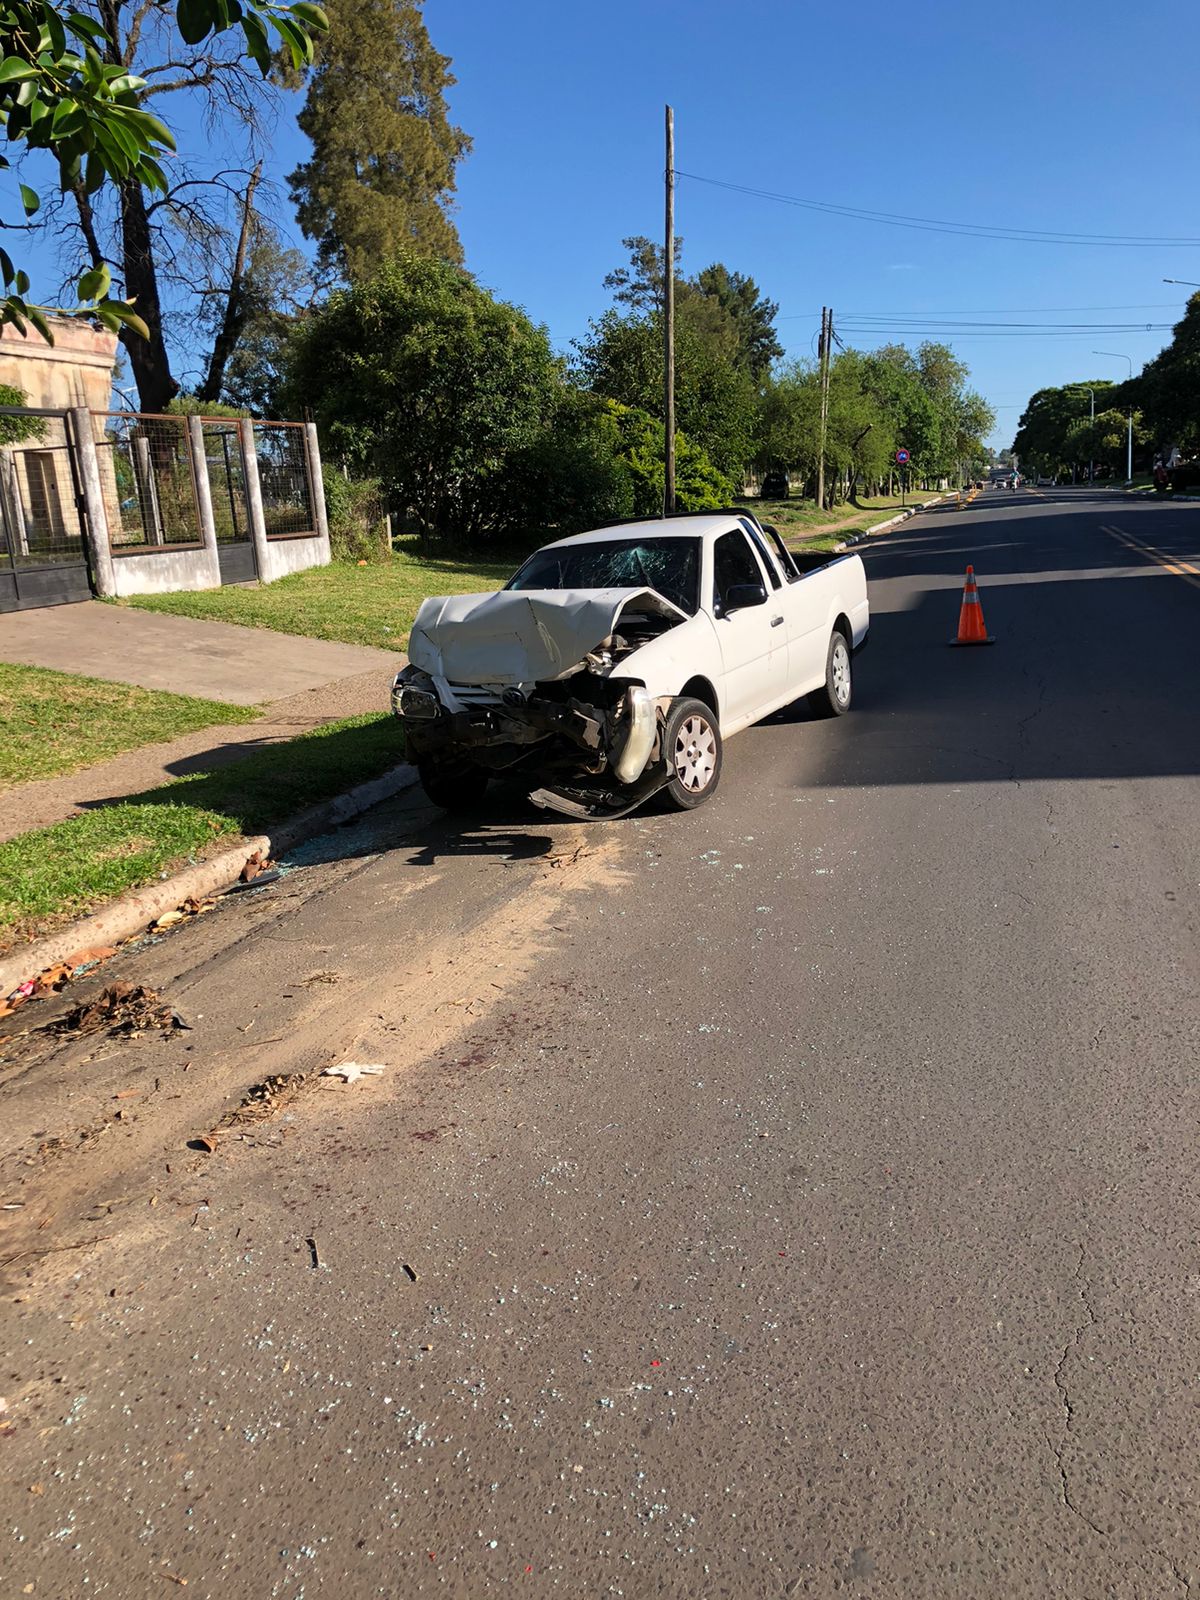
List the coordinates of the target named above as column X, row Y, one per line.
column 833, row 698
column 692, row 748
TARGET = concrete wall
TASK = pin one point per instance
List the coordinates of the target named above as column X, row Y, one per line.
column 165, row 571
column 278, row 557
column 76, row 370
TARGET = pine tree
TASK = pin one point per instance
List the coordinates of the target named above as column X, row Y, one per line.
column 381, row 175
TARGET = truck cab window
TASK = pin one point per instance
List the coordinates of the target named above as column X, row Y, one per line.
column 734, row 562
column 761, row 546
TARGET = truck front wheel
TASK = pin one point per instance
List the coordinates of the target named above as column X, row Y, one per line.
column 692, row 747
column 457, row 788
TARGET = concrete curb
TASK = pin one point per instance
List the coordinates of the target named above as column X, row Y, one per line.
column 140, row 907
column 901, row 516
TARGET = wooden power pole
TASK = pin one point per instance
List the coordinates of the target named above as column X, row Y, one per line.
column 669, row 325
column 824, row 349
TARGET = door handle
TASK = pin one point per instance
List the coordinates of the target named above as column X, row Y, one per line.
column 776, row 621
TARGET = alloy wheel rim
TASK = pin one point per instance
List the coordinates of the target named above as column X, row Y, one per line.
column 695, row 754
column 841, row 672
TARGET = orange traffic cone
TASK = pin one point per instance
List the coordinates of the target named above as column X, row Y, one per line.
column 971, row 626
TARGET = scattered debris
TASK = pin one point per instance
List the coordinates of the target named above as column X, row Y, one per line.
column 263, row 1099
column 125, row 1010
column 255, row 866
column 408, row 1272
column 313, row 1252
column 259, row 882
column 206, row 1142
column 352, row 1071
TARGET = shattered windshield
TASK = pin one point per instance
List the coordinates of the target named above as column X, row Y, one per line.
column 669, row 566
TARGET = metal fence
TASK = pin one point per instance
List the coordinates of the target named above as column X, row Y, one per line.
column 39, row 495
column 287, row 497
column 226, row 479
column 147, row 480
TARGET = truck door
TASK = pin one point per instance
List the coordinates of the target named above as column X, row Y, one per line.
column 751, row 628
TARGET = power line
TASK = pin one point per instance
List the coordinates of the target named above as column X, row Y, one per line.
column 971, row 230
column 1010, row 311
column 987, row 311
column 945, row 325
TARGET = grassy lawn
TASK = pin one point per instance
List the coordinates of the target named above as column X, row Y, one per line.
column 52, row 874
column 802, row 522
column 55, row 722
column 357, row 605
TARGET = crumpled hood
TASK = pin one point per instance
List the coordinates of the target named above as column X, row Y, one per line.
column 521, row 636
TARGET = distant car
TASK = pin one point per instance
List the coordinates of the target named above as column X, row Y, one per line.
column 1046, row 483
column 775, row 486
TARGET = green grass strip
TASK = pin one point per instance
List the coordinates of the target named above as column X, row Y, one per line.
column 54, row 873
column 58, row 722
column 373, row 604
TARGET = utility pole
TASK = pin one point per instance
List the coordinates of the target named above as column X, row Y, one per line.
column 824, row 347
column 1092, row 441
column 669, row 325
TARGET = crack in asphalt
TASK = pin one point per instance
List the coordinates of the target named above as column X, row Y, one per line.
column 1064, row 1394
column 1023, row 723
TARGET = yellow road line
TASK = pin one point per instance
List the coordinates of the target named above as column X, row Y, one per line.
column 1175, row 564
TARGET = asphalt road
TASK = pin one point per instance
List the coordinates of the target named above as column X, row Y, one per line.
column 798, row 1197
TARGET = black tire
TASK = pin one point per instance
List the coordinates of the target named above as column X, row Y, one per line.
column 833, row 698
column 693, row 752
column 456, row 788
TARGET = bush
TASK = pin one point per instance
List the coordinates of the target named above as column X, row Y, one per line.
column 640, row 439
column 358, row 529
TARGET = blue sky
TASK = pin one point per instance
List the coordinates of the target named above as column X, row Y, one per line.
column 1070, row 117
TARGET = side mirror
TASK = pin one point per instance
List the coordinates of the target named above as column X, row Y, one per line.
column 740, row 595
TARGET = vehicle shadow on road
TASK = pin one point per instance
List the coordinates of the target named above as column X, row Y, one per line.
column 1090, row 678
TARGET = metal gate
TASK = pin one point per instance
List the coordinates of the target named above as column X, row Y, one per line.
column 227, row 487
column 43, row 557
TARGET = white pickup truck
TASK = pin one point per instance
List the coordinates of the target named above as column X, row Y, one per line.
column 615, row 663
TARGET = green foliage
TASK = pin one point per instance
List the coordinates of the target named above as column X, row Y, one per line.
column 751, row 313
column 381, row 173
column 15, row 429
column 1168, row 390
column 357, row 515
column 1054, row 432
column 188, row 405
column 716, row 403
column 65, row 90
column 640, row 445
column 420, row 378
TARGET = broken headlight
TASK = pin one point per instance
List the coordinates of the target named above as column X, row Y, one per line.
column 414, row 697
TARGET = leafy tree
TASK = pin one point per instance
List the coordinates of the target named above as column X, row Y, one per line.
column 1049, row 437
column 642, row 284
column 751, row 313
column 716, row 404
column 419, row 377
column 69, row 87
column 640, row 445
column 381, row 175
column 1168, row 389
column 277, row 287
column 14, row 430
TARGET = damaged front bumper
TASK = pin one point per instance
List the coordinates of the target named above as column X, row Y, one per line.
column 589, row 754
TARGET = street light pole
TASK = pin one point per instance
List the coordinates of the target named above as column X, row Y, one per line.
column 1091, row 441
column 1118, row 356
column 1186, row 282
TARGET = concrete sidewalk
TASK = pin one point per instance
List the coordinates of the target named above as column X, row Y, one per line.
column 301, row 683
column 216, row 660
